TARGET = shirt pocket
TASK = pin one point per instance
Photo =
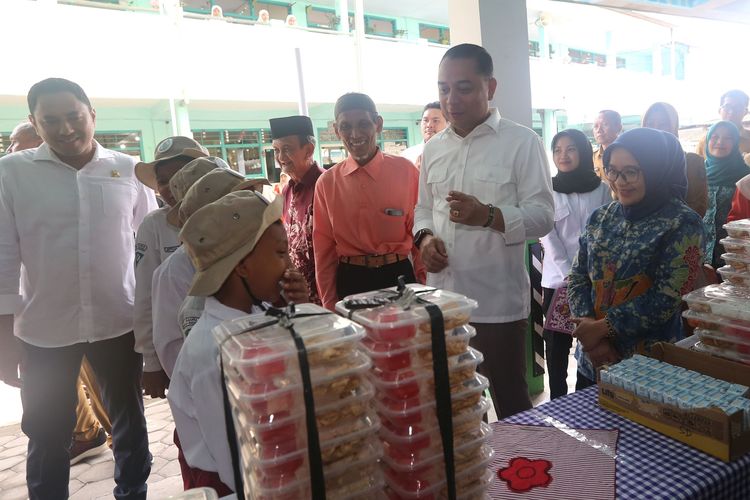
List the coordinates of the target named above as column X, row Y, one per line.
column 117, row 198
column 389, row 228
column 494, row 184
column 561, row 213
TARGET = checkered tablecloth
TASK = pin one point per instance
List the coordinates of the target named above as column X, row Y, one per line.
column 649, row 465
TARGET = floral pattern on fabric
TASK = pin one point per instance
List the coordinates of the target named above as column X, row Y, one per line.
column 523, row 474
column 635, row 274
column 719, row 205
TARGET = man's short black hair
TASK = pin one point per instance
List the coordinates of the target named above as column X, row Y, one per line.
column 53, row 86
column 471, row 51
column 736, row 94
column 431, row 105
column 355, row 100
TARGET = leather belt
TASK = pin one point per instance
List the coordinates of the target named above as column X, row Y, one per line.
column 373, row 261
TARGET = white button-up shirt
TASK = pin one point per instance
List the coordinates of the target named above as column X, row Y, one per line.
column 69, row 234
column 572, row 211
column 171, row 283
column 195, row 395
column 502, row 163
column 156, row 240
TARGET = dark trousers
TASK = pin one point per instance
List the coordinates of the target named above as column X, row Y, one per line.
column 504, row 349
column 49, row 401
column 557, row 350
column 351, row 279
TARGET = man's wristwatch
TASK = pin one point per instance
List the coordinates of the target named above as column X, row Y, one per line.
column 420, row 236
column 490, row 215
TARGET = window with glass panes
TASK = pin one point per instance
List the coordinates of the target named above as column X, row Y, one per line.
column 319, row 17
column 128, row 142
column 243, row 150
column 276, row 10
column 247, row 9
column 435, row 34
column 392, row 141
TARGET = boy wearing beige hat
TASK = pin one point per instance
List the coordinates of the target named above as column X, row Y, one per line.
column 240, row 252
column 174, row 314
column 154, row 241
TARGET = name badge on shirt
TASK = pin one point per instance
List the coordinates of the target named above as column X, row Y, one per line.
column 393, row 211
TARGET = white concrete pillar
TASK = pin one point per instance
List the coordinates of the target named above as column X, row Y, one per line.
column 501, row 28
column 342, row 11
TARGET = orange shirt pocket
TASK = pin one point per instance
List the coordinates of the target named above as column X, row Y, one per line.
column 385, row 228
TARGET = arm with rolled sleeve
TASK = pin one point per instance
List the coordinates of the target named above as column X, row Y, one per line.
column 147, row 259
column 534, row 215
column 420, row 272
column 326, row 257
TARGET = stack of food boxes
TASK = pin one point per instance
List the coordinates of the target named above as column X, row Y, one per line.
column 721, row 313
column 400, row 344
column 266, row 390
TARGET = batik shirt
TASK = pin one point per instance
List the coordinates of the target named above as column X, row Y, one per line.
column 635, row 273
column 298, row 222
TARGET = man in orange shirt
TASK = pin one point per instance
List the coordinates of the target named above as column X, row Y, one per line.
column 363, row 210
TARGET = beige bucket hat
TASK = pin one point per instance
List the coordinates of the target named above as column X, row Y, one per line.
column 169, row 148
column 219, row 235
column 186, row 177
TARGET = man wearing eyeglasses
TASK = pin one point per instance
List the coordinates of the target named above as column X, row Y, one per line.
column 733, row 108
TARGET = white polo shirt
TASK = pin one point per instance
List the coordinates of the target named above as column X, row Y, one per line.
column 70, row 236
column 156, row 240
column 502, row 163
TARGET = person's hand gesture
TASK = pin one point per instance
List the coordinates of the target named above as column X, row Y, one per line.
column 294, row 287
column 434, row 255
column 467, row 209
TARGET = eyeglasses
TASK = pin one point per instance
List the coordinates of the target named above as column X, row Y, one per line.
column 629, row 175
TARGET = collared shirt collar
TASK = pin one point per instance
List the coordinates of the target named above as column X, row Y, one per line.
column 45, row 153
column 492, row 121
column 373, row 167
column 222, row 312
column 308, row 179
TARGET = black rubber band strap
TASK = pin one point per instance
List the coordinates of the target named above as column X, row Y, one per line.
column 443, row 405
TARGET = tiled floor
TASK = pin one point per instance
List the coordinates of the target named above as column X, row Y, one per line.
column 92, row 479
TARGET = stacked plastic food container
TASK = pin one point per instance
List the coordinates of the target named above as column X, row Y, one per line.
column 399, row 341
column 266, row 389
column 721, row 313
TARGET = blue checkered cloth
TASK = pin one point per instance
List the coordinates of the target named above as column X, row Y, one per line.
column 649, row 465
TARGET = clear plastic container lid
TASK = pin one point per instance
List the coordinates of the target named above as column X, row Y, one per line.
column 738, row 229
column 269, row 353
column 320, row 375
column 408, row 383
column 722, row 353
column 735, row 277
column 429, row 482
column 736, row 245
column 743, row 260
column 196, row 494
column 724, row 300
column 392, row 322
column 721, row 325
column 416, row 351
column 417, row 410
column 721, row 340
column 277, row 477
column 477, row 490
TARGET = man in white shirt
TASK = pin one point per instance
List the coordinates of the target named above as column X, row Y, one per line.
column 432, row 122
column 468, row 244
column 155, row 241
column 68, row 213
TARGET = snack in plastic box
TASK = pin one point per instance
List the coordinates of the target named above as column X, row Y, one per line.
column 739, row 229
column 722, row 353
column 409, row 383
column 735, row 277
column 390, row 322
column 737, row 262
column 416, row 352
column 723, row 341
column 420, row 446
column 720, row 326
column 736, row 245
column 724, row 300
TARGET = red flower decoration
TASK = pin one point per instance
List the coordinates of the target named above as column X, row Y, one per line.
column 523, row 474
